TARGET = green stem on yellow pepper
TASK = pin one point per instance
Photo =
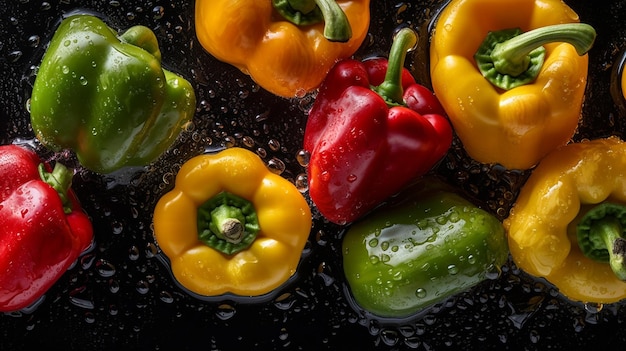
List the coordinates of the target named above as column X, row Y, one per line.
column 509, row 59
column 307, row 12
column 391, row 88
column 600, row 236
column 227, row 223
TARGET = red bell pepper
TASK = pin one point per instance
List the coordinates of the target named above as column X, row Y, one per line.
column 371, row 130
column 43, row 229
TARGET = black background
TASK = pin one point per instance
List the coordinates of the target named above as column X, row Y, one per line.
column 120, row 295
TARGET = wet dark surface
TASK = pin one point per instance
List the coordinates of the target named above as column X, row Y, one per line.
column 120, row 296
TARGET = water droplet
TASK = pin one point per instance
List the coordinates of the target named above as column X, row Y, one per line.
column 303, row 157
column 142, row 287
column 225, row 312
column 14, row 56
column 248, row 141
column 87, row 260
column 166, row 297
column 117, row 227
column 33, row 41
column 302, row 182
column 373, row 242
column 593, row 307
column 133, row 253
column 453, row 269
column 421, row 293
column 276, row 165
column 105, row 269
column 114, row 286
column 273, row 144
column 151, row 250
column 158, row 12
column 262, row 116
column 90, row 318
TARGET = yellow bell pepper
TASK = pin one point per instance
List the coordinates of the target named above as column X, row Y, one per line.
column 286, row 46
column 230, row 225
column 549, row 229
column 537, row 108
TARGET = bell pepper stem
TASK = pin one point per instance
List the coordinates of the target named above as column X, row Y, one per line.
column 306, row 12
column 336, row 24
column 511, row 56
column 509, row 59
column 391, row 88
column 610, row 230
column 60, row 179
column 227, row 223
column 227, row 220
column 600, row 236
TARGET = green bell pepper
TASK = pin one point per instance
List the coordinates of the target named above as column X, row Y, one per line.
column 419, row 249
column 107, row 98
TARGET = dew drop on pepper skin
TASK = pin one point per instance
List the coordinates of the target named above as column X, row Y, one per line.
column 421, row 293
column 302, row 183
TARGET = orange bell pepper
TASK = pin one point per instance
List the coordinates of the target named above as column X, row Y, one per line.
column 286, row 58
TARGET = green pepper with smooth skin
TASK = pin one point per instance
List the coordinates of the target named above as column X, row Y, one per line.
column 106, row 97
column 427, row 244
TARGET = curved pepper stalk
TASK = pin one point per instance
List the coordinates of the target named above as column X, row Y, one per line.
column 510, row 58
column 306, row 12
column 601, row 236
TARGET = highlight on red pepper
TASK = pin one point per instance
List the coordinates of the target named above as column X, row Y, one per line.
column 285, row 46
column 230, row 226
column 44, row 229
column 512, row 83
column 371, row 130
column 567, row 224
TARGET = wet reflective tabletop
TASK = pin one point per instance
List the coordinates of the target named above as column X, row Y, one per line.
column 121, row 294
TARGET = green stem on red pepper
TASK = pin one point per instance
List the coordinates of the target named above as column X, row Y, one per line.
column 509, row 58
column 60, row 179
column 227, row 223
column 391, row 88
column 601, row 236
column 307, row 12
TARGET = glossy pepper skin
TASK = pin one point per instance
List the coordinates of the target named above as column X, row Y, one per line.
column 367, row 143
column 427, row 244
column 106, row 97
column 541, row 227
column 281, row 222
column 515, row 127
column 284, row 58
column 43, row 231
